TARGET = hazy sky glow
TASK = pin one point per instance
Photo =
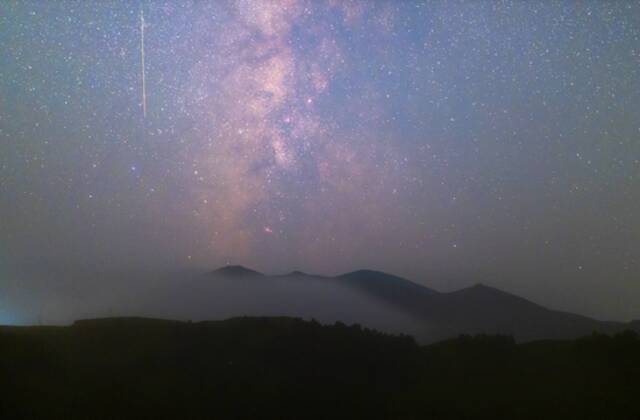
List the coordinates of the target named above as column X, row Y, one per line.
column 448, row 142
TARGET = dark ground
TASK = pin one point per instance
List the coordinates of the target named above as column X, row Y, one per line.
column 283, row 368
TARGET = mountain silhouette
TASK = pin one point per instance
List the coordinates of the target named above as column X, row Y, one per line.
column 434, row 315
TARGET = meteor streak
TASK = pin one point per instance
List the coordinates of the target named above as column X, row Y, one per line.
column 144, row 85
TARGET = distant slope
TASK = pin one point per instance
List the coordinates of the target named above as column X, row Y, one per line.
column 483, row 309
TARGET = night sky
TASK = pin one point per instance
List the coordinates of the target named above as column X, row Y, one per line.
column 448, row 142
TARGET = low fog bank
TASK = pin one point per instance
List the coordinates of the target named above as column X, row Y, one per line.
column 58, row 296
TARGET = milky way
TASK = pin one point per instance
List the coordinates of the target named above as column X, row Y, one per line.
column 449, row 142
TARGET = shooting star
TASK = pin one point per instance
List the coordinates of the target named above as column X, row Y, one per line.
column 144, row 85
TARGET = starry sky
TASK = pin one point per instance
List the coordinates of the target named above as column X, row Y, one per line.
column 448, row 142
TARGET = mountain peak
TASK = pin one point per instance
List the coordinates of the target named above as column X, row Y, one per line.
column 236, row 271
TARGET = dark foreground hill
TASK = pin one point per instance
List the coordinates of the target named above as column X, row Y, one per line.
column 283, row 368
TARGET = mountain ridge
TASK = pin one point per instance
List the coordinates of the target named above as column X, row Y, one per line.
column 477, row 309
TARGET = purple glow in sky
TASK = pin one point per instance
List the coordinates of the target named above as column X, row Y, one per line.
column 448, row 142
